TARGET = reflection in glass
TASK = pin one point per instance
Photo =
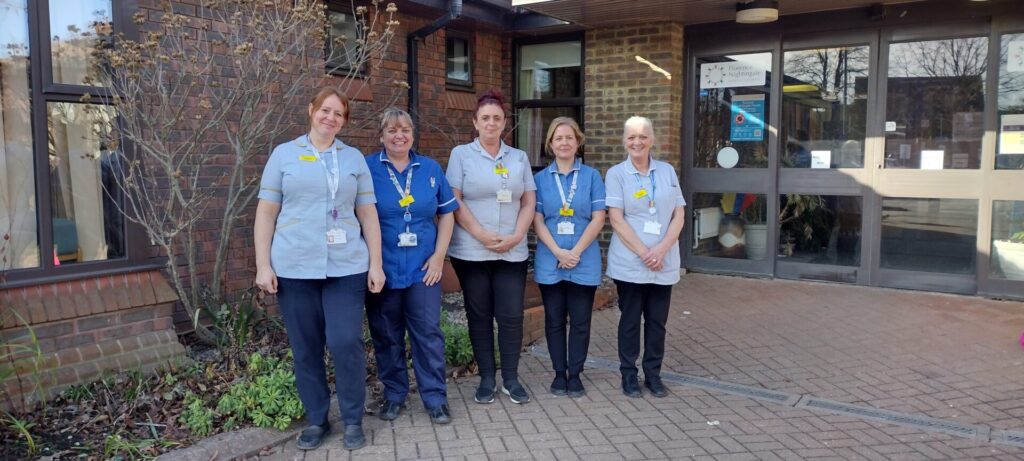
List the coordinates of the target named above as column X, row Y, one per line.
column 457, row 60
column 1010, row 152
column 935, row 103
column 74, row 25
column 730, row 225
column 342, row 47
column 824, row 107
column 532, row 126
column 550, row 70
column 732, row 109
column 87, row 224
column 19, row 245
column 1008, row 239
column 820, row 229
column 929, row 235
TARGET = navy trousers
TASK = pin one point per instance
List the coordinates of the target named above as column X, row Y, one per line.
column 651, row 302
column 494, row 291
column 416, row 309
column 568, row 308
column 319, row 312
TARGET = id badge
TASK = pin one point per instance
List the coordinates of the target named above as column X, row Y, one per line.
column 336, row 237
column 652, row 227
column 566, row 228
column 407, row 239
column 505, row 196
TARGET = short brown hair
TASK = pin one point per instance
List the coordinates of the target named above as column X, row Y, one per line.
column 326, row 92
column 557, row 122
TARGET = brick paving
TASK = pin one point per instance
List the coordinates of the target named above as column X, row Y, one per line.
column 948, row 357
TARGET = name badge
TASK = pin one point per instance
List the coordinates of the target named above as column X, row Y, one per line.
column 505, row 196
column 307, row 158
column 501, row 171
column 407, row 239
column 565, row 211
column 652, row 227
column 566, row 228
column 640, row 193
column 336, row 237
column 406, row 201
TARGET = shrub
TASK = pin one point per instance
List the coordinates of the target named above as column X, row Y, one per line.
column 457, row 349
column 267, row 398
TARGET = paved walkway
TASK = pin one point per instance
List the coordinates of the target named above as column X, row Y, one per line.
column 757, row 369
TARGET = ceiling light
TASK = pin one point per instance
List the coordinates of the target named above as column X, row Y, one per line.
column 757, row 11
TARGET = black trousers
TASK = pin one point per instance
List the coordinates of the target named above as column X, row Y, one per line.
column 494, row 291
column 568, row 308
column 651, row 302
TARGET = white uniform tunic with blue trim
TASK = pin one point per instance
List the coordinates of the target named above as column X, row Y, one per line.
column 621, row 184
column 295, row 178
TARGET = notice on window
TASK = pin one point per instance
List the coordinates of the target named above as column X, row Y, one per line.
column 932, row 159
column 747, row 118
column 1015, row 56
column 968, row 126
column 821, row 159
column 1011, row 134
column 730, row 75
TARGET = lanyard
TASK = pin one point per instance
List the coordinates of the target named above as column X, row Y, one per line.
column 333, row 174
column 654, row 187
column 408, row 183
column 572, row 188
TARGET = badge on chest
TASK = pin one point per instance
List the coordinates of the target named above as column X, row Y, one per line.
column 407, row 239
column 652, row 227
column 504, row 196
column 566, row 228
column 336, row 237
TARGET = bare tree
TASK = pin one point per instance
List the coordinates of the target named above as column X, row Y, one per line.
column 200, row 98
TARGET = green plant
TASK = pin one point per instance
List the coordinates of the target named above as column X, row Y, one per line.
column 801, row 214
column 267, row 398
column 116, row 447
column 197, row 417
column 1017, row 237
column 233, row 325
column 78, row 393
column 22, row 428
column 457, row 349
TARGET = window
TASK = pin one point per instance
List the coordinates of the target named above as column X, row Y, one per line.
column 59, row 206
column 458, row 64
column 732, row 109
column 342, row 50
column 549, row 85
column 1010, row 151
column 730, row 225
column 929, row 234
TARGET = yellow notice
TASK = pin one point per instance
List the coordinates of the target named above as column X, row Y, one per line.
column 1011, row 134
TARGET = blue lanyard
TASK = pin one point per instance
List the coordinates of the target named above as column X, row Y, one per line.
column 654, row 186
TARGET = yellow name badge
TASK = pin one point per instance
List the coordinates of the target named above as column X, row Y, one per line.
column 307, row 158
column 501, row 171
column 640, row 193
column 406, row 201
column 565, row 211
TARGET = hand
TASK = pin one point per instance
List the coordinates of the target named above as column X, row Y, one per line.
column 566, row 259
column 654, row 259
column 266, row 280
column 488, row 238
column 505, row 243
column 375, row 279
column 434, row 267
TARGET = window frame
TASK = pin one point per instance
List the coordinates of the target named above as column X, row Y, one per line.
column 577, row 102
column 334, row 67
column 42, row 92
column 456, row 84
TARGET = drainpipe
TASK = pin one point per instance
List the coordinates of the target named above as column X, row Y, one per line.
column 412, row 42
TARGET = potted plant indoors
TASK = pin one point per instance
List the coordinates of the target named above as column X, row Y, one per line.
column 755, row 217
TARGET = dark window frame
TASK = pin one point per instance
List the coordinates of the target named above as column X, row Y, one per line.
column 334, row 67
column 456, row 84
column 42, row 92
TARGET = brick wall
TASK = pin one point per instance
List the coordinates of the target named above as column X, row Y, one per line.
column 86, row 327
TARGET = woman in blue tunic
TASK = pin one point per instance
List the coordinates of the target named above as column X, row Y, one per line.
column 412, row 193
column 317, row 244
column 570, row 215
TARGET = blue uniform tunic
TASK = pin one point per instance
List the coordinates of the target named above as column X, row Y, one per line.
column 589, row 197
column 432, row 196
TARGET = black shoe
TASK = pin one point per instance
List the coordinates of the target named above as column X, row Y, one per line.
column 354, row 438
column 575, row 388
column 440, row 415
column 311, row 437
column 515, row 391
column 631, row 387
column 485, row 393
column 653, row 384
column 559, row 386
column 389, row 410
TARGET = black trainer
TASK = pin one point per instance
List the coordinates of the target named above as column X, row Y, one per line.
column 312, row 436
column 389, row 410
column 631, row 387
column 654, row 384
column 440, row 415
column 354, row 438
column 575, row 387
column 559, row 386
column 515, row 391
column 485, row 393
